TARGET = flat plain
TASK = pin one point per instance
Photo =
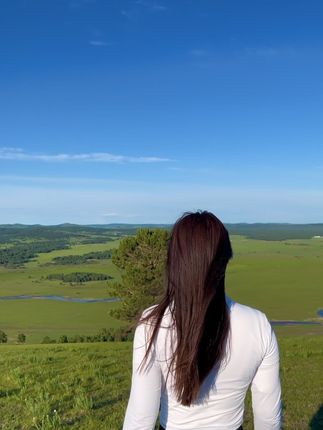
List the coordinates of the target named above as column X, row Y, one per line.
column 282, row 278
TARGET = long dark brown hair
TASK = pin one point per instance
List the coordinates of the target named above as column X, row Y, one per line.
column 198, row 252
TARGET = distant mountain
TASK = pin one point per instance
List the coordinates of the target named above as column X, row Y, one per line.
column 262, row 231
column 275, row 231
column 125, row 225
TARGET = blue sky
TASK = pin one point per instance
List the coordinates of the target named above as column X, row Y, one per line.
column 136, row 111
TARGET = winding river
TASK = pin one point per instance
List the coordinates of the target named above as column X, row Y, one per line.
column 116, row 299
column 61, row 298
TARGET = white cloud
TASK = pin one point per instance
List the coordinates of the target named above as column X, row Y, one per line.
column 151, row 5
column 98, row 43
column 262, row 51
column 199, row 52
column 79, row 3
column 127, row 13
column 140, row 8
column 122, row 216
column 159, row 7
column 110, row 214
column 19, row 154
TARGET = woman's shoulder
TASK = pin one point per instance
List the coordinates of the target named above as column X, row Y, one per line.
column 146, row 326
column 147, row 311
column 166, row 321
column 248, row 315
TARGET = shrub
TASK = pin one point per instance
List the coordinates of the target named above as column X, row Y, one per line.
column 47, row 339
column 3, row 337
column 77, row 339
column 21, row 338
column 63, row 339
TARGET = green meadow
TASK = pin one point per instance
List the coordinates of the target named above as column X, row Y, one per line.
column 86, row 386
column 39, row 318
column 282, row 278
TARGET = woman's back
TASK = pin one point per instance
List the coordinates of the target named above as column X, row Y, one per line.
column 196, row 352
column 252, row 357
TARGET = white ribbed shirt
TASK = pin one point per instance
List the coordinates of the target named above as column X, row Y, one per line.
column 252, row 358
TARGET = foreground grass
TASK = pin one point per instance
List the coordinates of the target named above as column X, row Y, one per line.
column 86, row 386
column 80, row 386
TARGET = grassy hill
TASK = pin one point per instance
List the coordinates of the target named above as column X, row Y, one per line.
column 86, row 386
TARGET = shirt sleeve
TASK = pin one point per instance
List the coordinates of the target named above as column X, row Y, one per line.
column 144, row 400
column 265, row 387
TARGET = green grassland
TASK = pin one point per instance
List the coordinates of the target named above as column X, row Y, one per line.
column 282, row 278
column 86, row 386
column 40, row 318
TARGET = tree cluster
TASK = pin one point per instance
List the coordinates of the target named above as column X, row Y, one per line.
column 19, row 254
column 85, row 258
column 79, row 277
column 21, row 338
column 12, row 233
column 105, row 335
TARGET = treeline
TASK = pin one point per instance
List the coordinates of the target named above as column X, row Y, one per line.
column 79, row 259
column 96, row 239
column 17, row 255
column 276, row 231
column 105, row 335
column 79, row 277
column 21, row 337
column 13, row 233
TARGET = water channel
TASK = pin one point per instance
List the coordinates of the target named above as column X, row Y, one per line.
column 61, row 298
column 116, row 299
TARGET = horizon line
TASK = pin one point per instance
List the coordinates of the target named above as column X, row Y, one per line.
column 155, row 224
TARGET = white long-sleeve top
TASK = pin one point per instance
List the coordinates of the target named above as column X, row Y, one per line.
column 252, row 358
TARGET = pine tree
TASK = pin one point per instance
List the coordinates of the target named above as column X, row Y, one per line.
column 141, row 259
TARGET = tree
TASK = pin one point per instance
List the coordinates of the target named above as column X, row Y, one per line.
column 77, row 338
column 63, row 339
column 47, row 339
column 141, row 259
column 3, row 337
column 21, row 338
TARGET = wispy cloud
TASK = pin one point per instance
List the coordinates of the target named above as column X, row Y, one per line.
column 120, row 215
column 152, row 5
column 127, row 13
column 199, row 52
column 99, row 43
column 110, row 214
column 140, row 8
column 18, row 154
column 74, row 4
column 262, row 51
